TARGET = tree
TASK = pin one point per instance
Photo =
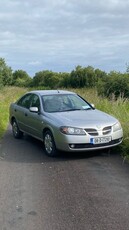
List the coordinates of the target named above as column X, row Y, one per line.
column 100, row 74
column 5, row 73
column 38, row 79
column 116, row 84
column 64, row 80
column 127, row 67
column 90, row 76
column 83, row 77
column 46, row 79
column 77, row 77
column 21, row 78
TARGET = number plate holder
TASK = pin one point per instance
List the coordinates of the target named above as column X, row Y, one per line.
column 100, row 140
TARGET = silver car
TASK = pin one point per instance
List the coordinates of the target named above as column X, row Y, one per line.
column 64, row 121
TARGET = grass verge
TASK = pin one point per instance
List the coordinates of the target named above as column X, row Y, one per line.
column 118, row 108
column 7, row 95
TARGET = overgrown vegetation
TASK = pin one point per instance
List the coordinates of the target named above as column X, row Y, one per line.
column 107, row 84
column 117, row 107
column 7, row 95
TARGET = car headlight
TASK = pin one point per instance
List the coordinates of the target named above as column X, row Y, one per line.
column 117, row 127
column 72, row 130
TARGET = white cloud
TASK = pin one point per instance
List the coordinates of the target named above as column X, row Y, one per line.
column 58, row 35
column 34, row 63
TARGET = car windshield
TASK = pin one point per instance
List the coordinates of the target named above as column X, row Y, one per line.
column 63, row 103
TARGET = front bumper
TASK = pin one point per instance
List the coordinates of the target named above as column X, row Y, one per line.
column 72, row 143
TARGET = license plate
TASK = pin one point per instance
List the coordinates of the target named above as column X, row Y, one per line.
column 100, row 140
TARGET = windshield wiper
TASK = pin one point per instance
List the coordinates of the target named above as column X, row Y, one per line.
column 88, row 109
column 69, row 110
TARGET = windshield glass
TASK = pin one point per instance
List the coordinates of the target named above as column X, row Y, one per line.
column 64, row 102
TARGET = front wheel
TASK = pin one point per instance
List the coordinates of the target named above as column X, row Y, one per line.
column 49, row 144
column 16, row 131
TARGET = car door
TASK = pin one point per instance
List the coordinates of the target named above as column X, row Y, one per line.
column 21, row 112
column 35, row 119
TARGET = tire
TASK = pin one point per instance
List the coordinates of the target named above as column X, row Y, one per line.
column 16, row 131
column 49, row 144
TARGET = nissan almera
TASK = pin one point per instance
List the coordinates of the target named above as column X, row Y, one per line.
column 64, row 121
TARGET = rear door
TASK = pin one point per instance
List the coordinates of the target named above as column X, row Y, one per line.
column 21, row 112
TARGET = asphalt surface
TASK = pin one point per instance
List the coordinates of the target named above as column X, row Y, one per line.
column 88, row 191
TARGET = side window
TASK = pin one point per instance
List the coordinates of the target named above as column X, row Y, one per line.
column 35, row 102
column 25, row 101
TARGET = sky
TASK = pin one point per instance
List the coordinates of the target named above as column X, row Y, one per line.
column 58, row 35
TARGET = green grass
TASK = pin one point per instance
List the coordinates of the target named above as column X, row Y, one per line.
column 7, row 95
column 119, row 109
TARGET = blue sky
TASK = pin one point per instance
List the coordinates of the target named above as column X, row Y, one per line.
column 58, row 35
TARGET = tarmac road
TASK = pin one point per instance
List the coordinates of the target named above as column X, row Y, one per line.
column 72, row 192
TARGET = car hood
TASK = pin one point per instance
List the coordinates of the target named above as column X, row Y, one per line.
column 82, row 118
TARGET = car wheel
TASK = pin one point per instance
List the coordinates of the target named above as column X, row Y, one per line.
column 49, row 144
column 16, row 131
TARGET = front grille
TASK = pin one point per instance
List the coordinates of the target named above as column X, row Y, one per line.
column 107, row 130
column 92, row 132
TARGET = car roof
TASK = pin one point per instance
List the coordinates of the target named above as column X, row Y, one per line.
column 50, row 92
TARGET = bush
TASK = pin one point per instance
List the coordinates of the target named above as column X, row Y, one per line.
column 115, row 84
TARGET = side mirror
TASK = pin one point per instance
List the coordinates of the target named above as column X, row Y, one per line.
column 34, row 109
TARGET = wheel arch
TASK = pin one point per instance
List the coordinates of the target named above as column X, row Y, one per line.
column 47, row 129
column 52, row 131
column 12, row 119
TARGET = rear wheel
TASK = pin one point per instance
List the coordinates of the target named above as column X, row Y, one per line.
column 49, row 144
column 16, row 131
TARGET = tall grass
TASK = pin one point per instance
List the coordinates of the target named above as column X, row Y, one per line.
column 7, row 95
column 118, row 108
